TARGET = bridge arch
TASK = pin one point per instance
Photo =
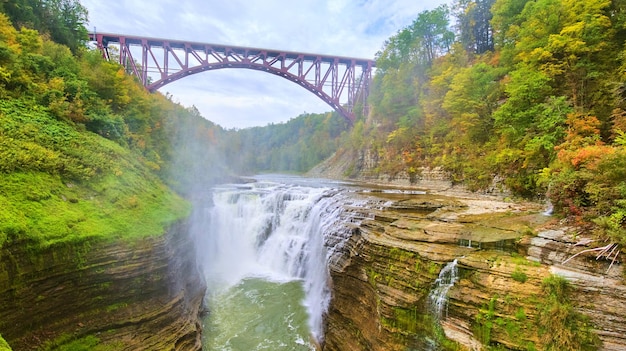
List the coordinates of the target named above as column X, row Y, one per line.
column 338, row 81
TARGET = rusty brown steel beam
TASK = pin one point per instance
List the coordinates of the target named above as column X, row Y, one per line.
column 339, row 81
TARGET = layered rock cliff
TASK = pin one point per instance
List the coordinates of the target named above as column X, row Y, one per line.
column 140, row 295
column 507, row 295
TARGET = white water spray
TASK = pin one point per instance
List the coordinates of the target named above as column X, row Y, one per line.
column 275, row 232
column 549, row 209
column 438, row 297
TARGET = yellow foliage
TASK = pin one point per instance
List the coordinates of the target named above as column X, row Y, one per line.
column 56, row 83
column 395, row 134
column 7, row 32
column 77, row 110
column 30, row 41
column 5, row 75
column 122, row 87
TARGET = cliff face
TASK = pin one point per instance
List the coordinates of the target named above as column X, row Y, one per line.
column 363, row 165
column 143, row 295
column 504, row 256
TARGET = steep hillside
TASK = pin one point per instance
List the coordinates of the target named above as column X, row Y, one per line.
column 527, row 96
column 291, row 147
column 94, row 251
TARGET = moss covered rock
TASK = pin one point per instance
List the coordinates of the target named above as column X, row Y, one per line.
column 130, row 295
column 504, row 295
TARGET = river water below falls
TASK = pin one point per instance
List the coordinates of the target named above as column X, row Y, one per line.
column 258, row 314
column 264, row 254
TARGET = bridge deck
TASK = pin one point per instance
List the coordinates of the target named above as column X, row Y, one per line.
column 337, row 80
column 182, row 44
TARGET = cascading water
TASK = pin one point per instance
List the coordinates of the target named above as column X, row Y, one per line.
column 264, row 256
column 438, row 297
column 549, row 209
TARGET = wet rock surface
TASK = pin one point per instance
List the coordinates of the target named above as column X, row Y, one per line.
column 504, row 251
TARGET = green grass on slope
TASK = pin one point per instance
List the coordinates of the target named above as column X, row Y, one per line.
column 4, row 346
column 59, row 184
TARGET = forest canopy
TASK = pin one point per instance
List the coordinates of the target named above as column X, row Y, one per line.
column 526, row 95
column 85, row 151
column 63, row 20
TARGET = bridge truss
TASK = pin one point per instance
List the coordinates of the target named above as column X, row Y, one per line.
column 338, row 81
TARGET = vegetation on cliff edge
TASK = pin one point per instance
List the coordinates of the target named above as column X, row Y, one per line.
column 561, row 327
column 3, row 345
column 526, row 93
column 86, row 151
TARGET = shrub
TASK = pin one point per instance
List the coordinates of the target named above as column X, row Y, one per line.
column 560, row 326
column 519, row 275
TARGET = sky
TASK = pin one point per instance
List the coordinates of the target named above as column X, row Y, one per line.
column 241, row 98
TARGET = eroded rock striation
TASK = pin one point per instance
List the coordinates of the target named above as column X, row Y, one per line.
column 139, row 295
column 503, row 254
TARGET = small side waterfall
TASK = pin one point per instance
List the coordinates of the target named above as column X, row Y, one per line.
column 549, row 209
column 438, row 297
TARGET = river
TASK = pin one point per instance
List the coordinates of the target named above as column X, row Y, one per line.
column 264, row 248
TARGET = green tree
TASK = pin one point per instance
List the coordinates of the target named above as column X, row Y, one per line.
column 474, row 25
column 531, row 123
column 580, row 52
column 471, row 101
column 506, row 21
column 63, row 20
column 432, row 34
column 427, row 38
column 526, row 90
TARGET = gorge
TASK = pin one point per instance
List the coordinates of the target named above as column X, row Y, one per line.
column 110, row 238
column 100, row 249
column 418, row 270
column 498, row 295
column 298, row 263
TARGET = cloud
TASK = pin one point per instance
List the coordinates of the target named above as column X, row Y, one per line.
column 243, row 98
column 255, row 97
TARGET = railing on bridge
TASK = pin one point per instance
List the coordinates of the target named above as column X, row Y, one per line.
column 339, row 81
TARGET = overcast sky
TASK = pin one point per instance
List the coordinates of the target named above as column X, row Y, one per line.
column 240, row 98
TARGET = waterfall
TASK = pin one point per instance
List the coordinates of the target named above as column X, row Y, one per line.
column 549, row 209
column 276, row 232
column 438, row 297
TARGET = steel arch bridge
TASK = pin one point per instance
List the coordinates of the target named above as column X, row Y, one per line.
column 338, row 81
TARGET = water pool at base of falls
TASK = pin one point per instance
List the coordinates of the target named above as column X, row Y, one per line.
column 257, row 314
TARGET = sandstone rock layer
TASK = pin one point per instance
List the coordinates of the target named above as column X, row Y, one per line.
column 140, row 295
column 504, row 251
